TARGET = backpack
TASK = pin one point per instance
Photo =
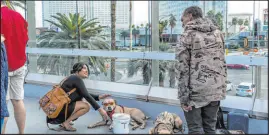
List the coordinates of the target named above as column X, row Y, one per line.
column 220, row 126
column 220, row 121
column 53, row 102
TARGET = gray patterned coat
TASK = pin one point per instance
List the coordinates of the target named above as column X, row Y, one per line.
column 201, row 67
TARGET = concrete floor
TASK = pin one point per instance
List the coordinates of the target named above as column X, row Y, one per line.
column 35, row 121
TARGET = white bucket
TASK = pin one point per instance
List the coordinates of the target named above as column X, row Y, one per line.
column 121, row 123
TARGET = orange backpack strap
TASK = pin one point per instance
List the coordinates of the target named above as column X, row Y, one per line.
column 61, row 83
column 70, row 92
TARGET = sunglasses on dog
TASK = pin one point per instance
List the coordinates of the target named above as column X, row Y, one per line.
column 111, row 103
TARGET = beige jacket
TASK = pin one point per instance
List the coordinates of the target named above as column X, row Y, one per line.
column 201, row 67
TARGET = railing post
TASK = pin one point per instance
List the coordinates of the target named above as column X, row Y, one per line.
column 258, row 74
column 32, row 58
column 257, row 89
column 155, row 40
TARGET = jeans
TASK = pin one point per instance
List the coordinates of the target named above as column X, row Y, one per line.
column 2, row 124
column 203, row 119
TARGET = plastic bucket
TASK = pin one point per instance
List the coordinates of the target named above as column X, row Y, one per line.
column 121, row 123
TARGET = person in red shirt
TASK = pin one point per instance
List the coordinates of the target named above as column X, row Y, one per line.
column 14, row 29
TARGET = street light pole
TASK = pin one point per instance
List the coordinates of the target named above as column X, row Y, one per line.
column 130, row 21
column 226, row 24
column 253, row 24
column 155, row 40
column 259, row 26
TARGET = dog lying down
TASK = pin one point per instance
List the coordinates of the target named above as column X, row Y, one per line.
column 138, row 118
column 167, row 123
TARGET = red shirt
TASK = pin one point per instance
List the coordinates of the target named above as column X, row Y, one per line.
column 14, row 29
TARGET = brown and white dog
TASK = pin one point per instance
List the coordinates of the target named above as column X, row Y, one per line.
column 167, row 123
column 138, row 118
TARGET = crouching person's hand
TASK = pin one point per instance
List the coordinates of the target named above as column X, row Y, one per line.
column 103, row 114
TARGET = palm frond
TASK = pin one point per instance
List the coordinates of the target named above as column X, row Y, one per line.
column 68, row 38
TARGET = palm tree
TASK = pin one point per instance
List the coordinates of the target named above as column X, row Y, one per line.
column 67, row 37
column 12, row 4
column 246, row 22
column 172, row 24
column 113, row 38
column 211, row 14
column 240, row 23
column 130, row 24
column 216, row 18
column 162, row 26
column 135, row 32
column 135, row 65
column 219, row 19
column 146, row 34
column 167, row 66
column 234, row 22
column 124, row 34
column 142, row 26
column 138, row 32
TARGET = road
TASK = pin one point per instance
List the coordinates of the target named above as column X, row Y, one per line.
column 236, row 76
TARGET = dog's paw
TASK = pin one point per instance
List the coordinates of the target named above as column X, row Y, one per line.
column 142, row 127
column 91, row 126
column 133, row 128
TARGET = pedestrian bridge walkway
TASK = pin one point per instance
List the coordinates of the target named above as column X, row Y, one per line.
column 35, row 121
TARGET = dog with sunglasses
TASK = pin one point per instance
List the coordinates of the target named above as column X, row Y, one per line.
column 138, row 118
column 167, row 123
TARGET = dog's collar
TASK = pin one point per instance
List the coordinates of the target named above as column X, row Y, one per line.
column 113, row 111
column 110, row 113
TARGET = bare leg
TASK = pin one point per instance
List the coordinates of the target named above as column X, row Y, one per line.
column 81, row 108
column 4, row 126
column 19, row 114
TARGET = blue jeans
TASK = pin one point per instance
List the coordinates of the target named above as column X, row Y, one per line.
column 2, row 124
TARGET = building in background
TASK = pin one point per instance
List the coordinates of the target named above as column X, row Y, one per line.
column 101, row 10
column 50, row 8
column 265, row 20
column 177, row 7
column 237, row 28
column 91, row 9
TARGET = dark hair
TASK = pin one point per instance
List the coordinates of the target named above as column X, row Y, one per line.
column 195, row 11
column 78, row 67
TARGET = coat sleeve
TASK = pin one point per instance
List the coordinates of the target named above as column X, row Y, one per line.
column 183, row 58
column 91, row 98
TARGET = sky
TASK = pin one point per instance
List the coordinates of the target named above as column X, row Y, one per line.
column 141, row 10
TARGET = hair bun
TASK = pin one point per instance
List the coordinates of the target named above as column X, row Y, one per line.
column 72, row 72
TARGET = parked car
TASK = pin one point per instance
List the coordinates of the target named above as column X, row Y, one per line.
column 230, row 86
column 265, row 54
column 237, row 66
column 245, row 89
